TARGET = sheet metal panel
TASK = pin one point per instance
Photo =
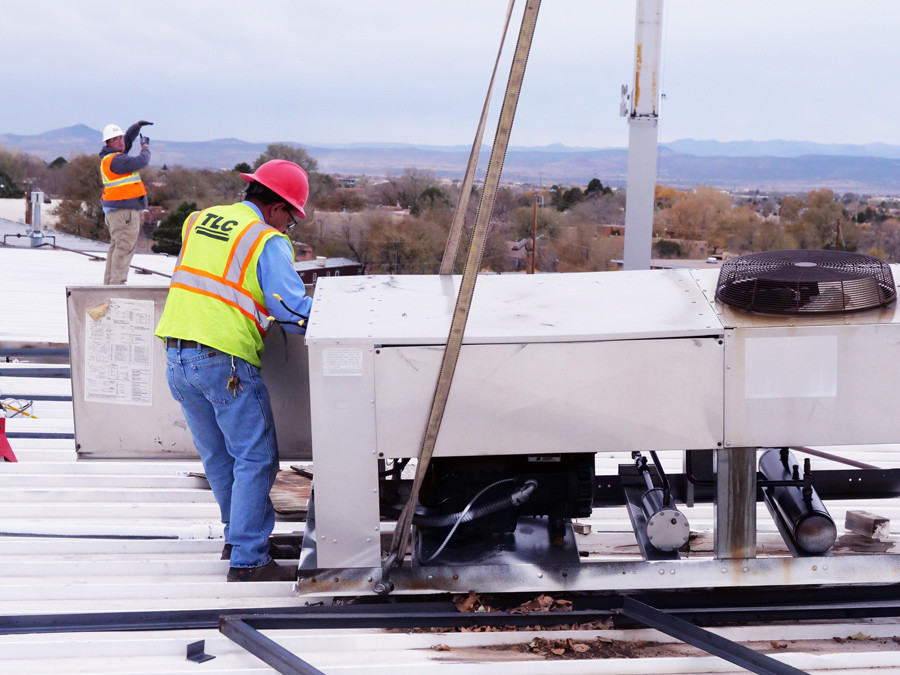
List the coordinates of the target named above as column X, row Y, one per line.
column 105, row 430
column 812, row 385
column 417, row 310
column 345, row 457
column 613, row 396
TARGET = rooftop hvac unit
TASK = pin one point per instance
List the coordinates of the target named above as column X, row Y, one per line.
column 787, row 349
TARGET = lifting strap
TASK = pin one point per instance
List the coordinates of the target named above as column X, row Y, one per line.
column 400, row 540
column 462, row 206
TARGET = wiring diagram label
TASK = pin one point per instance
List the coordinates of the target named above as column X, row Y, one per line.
column 118, row 355
column 342, row 362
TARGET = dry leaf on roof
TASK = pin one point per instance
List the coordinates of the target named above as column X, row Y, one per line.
column 466, row 603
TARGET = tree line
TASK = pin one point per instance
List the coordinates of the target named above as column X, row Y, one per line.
column 399, row 224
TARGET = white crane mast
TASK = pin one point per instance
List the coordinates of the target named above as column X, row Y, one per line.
column 641, row 106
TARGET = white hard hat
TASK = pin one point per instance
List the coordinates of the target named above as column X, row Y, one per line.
column 111, row 131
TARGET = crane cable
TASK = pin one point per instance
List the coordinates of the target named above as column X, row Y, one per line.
column 462, row 206
column 400, row 540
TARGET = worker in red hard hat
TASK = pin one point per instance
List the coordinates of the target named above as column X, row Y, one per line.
column 124, row 196
column 234, row 276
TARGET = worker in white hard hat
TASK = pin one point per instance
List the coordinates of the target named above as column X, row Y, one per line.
column 124, row 196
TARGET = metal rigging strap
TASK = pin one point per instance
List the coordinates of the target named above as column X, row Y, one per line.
column 467, row 286
column 465, row 192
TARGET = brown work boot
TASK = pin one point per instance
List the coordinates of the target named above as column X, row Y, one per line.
column 268, row 572
column 278, row 551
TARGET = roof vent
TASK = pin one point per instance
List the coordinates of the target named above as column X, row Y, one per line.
column 805, row 282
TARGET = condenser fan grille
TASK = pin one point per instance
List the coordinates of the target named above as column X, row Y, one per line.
column 805, row 282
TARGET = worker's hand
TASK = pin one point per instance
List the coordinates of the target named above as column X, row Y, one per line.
column 145, row 141
column 144, row 123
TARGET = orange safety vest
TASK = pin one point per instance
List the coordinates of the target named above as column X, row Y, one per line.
column 119, row 186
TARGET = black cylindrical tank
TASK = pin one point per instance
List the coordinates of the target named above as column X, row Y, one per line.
column 811, row 526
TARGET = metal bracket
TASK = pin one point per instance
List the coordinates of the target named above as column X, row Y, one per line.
column 196, row 652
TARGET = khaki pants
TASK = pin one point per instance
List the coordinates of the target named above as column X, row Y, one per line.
column 124, row 226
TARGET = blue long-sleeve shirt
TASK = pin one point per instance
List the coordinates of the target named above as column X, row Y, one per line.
column 276, row 274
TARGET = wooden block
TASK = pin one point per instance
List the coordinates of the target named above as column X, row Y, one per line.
column 290, row 495
column 868, row 524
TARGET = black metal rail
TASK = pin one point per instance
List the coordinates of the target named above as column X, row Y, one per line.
column 37, row 397
column 58, row 372
column 706, row 608
column 15, row 352
column 265, row 649
column 677, row 613
column 710, row 642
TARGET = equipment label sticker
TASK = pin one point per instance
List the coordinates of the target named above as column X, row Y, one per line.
column 342, row 362
column 118, row 355
column 799, row 366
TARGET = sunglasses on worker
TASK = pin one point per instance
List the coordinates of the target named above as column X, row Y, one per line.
column 287, row 210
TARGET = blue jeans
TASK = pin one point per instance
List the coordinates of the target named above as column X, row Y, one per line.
column 235, row 435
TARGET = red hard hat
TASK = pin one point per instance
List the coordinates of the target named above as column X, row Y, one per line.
column 285, row 179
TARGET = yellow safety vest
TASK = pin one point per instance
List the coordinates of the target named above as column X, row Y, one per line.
column 215, row 297
column 119, row 186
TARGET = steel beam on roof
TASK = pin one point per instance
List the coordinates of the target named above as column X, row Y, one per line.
column 705, row 640
column 264, row 648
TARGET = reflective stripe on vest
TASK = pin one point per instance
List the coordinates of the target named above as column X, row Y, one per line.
column 118, row 186
column 230, row 287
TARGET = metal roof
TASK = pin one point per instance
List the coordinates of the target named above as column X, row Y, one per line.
column 33, row 287
column 114, row 536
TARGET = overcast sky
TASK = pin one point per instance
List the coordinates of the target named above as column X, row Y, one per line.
column 416, row 71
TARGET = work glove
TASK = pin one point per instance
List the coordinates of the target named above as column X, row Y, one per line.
column 144, row 123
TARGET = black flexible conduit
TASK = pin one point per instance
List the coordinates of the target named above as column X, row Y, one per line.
column 466, row 516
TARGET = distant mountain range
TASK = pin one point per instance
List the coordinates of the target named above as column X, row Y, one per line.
column 764, row 165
